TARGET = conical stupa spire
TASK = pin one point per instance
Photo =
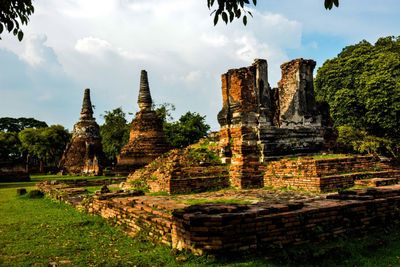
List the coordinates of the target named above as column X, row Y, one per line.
column 144, row 99
column 87, row 111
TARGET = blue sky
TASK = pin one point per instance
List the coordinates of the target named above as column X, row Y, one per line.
column 70, row 45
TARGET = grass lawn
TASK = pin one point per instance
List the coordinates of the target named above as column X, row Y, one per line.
column 41, row 232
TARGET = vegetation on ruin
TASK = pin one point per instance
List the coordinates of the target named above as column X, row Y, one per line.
column 362, row 87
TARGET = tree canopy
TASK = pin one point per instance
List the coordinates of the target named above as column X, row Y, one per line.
column 362, row 87
column 187, row 130
column 229, row 10
column 13, row 14
column 8, row 124
column 114, row 133
column 47, row 144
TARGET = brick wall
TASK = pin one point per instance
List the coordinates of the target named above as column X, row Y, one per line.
column 324, row 174
column 243, row 228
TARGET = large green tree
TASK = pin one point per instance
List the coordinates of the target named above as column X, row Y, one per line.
column 362, row 86
column 114, row 133
column 9, row 146
column 47, row 144
column 187, row 130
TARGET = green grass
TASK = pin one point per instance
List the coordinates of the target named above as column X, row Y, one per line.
column 321, row 156
column 40, row 232
column 51, row 177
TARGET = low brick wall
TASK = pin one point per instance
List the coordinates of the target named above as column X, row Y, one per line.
column 136, row 214
column 241, row 228
column 237, row 228
column 324, row 175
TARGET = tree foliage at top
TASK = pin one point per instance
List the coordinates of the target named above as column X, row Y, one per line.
column 13, row 14
column 362, row 87
column 114, row 132
column 16, row 125
column 229, row 10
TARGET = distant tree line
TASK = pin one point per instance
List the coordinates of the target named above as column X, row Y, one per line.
column 32, row 141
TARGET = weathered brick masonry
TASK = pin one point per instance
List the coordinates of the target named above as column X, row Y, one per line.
column 235, row 228
column 259, row 123
column 146, row 139
column 84, row 154
column 325, row 174
column 239, row 228
column 176, row 172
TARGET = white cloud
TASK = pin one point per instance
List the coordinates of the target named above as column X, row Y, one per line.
column 103, row 44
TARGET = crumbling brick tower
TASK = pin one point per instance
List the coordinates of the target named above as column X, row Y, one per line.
column 84, row 154
column 242, row 92
column 259, row 123
column 146, row 139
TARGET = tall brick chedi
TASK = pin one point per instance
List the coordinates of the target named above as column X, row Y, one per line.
column 146, row 139
column 84, row 154
column 259, row 123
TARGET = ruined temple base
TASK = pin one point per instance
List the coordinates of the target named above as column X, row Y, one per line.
column 326, row 174
column 241, row 221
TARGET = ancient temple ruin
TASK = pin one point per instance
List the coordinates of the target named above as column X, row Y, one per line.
column 146, row 139
column 84, row 154
column 259, row 123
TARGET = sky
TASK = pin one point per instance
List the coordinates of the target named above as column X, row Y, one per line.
column 70, row 45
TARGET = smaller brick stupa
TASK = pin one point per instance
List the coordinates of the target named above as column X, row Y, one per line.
column 146, row 139
column 84, row 154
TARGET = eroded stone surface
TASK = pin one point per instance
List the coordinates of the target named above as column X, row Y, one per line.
column 84, row 154
column 146, row 139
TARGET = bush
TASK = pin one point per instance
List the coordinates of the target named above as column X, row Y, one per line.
column 362, row 142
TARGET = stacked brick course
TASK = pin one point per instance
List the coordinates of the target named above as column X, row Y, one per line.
column 258, row 122
column 177, row 172
column 325, row 174
column 240, row 228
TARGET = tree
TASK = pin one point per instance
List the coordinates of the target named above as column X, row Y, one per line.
column 13, row 14
column 228, row 10
column 9, row 146
column 362, row 86
column 8, row 124
column 114, row 133
column 187, row 130
column 47, row 144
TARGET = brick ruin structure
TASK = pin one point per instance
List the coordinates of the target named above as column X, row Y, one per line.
column 84, row 154
column 146, row 139
column 259, row 123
